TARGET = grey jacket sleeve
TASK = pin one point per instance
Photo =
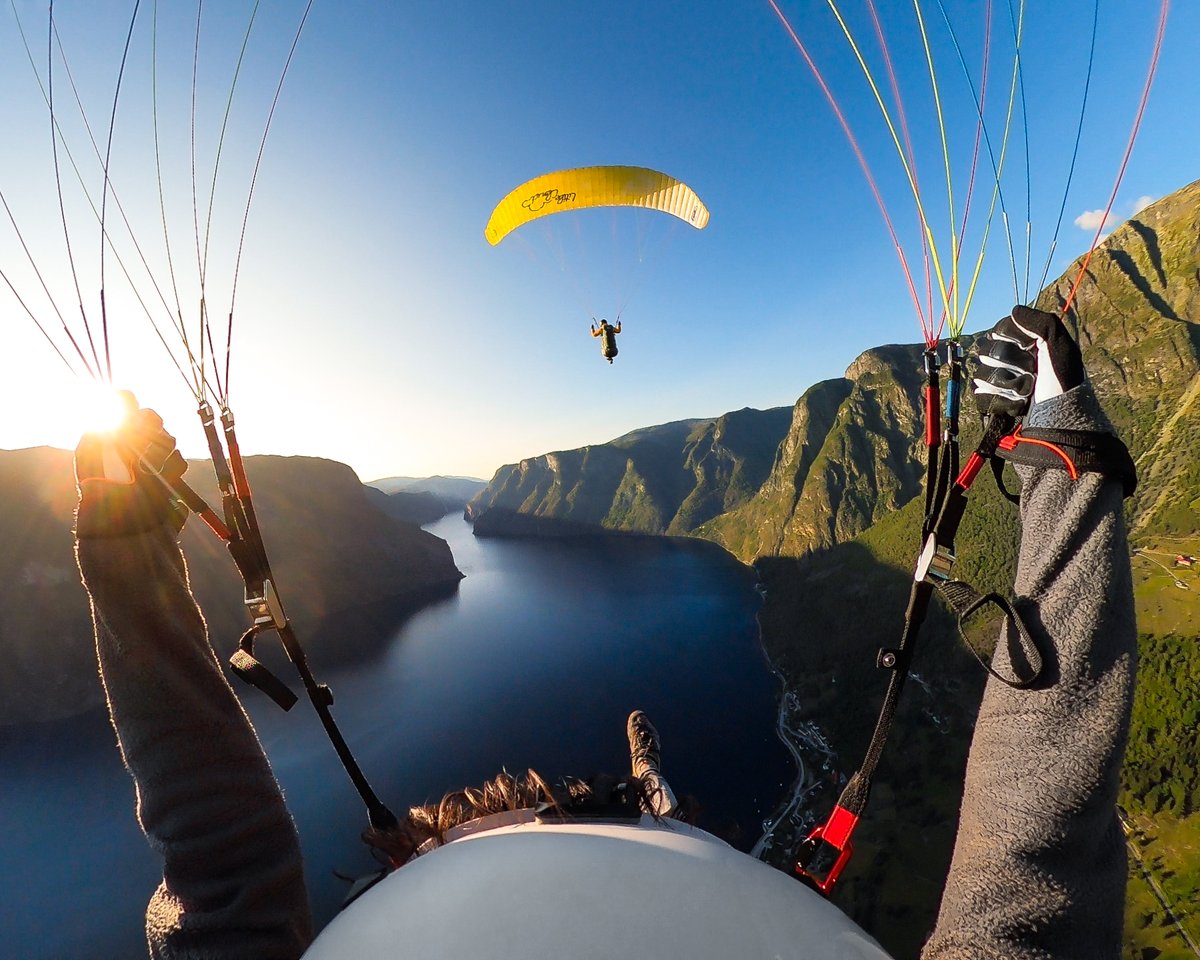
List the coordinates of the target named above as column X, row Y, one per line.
column 1039, row 869
column 233, row 883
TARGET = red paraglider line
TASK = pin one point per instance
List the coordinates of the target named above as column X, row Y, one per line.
column 1137, row 123
column 930, row 339
column 908, row 147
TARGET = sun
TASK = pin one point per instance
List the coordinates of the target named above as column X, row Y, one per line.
column 102, row 407
column 70, row 408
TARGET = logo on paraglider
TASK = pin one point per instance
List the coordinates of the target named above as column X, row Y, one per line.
column 545, row 198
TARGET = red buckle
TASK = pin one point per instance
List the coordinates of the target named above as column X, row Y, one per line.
column 835, row 833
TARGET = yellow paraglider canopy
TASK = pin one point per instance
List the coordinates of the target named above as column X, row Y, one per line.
column 584, row 187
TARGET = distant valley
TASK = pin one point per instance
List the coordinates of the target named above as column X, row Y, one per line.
column 422, row 500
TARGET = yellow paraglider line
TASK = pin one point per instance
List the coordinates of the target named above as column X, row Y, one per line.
column 952, row 309
column 956, row 329
column 912, row 183
column 930, row 339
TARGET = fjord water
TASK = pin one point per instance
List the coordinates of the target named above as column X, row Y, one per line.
column 535, row 662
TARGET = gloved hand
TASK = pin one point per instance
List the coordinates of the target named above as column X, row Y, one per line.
column 118, row 495
column 1026, row 358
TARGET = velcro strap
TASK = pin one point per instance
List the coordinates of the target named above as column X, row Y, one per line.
column 966, row 601
column 1089, row 450
column 244, row 664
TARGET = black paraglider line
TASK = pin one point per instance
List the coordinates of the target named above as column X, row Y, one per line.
column 250, row 194
column 162, row 201
column 240, row 531
column 112, row 123
column 1017, row 28
column 32, row 316
column 116, row 199
column 998, row 189
column 61, row 205
column 980, row 129
column 1087, row 84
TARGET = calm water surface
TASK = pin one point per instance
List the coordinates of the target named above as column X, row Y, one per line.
column 535, row 662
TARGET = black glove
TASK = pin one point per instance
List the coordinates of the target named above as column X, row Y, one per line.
column 1025, row 359
column 117, row 494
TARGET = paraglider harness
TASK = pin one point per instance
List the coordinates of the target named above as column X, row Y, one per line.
column 240, row 532
column 608, row 338
column 826, row 851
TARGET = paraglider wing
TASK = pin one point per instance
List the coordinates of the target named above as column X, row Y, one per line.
column 584, row 187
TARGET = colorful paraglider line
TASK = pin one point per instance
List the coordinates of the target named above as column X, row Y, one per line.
column 826, row 851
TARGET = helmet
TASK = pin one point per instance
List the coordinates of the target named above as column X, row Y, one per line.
column 588, row 888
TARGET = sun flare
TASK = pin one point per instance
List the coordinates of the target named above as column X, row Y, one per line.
column 103, row 408
column 76, row 407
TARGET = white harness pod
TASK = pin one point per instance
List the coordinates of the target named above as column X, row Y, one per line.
column 591, row 889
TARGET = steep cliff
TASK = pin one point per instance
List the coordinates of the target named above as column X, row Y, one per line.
column 850, row 456
column 666, row 479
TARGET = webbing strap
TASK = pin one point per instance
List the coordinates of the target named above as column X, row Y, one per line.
column 1072, row 450
column 250, row 669
column 939, row 544
column 966, row 601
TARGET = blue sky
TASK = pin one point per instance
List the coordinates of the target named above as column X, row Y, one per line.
column 375, row 326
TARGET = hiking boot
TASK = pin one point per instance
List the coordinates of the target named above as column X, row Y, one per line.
column 644, row 745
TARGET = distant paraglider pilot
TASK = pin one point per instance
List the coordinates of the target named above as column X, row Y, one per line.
column 608, row 338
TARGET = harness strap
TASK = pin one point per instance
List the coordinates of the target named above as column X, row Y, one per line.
column 966, row 601
column 246, row 666
column 1071, row 450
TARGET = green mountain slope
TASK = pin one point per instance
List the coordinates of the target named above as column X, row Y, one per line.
column 850, row 457
column 666, row 479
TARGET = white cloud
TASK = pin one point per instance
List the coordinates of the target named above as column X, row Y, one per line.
column 1091, row 220
column 1094, row 220
column 1140, row 204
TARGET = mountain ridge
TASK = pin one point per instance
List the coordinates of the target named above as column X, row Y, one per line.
column 347, row 573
